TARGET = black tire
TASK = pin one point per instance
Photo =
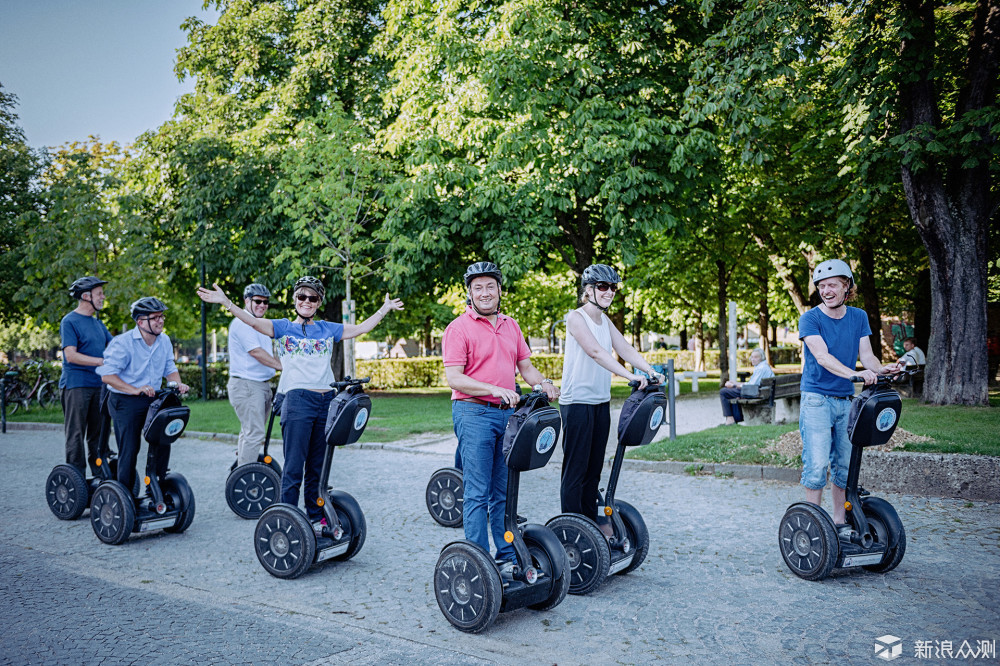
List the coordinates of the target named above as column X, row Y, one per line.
column 352, row 519
column 587, row 550
column 885, row 527
column 808, row 541
column 67, row 492
column 16, row 391
column 251, row 489
column 635, row 530
column 284, row 541
column 270, row 462
column 112, row 513
column 178, row 490
column 47, row 394
column 467, row 587
column 550, row 557
column 445, row 496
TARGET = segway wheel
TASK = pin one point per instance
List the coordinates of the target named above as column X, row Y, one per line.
column 352, row 520
column 587, row 550
column 270, row 462
column 284, row 541
column 67, row 492
column 179, row 491
column 251, row 488
column 445, row 496
column 885, row 527
column 467, row 586
column 549, row 556
column 808, row 541
column 638, row 535
column 112, row 513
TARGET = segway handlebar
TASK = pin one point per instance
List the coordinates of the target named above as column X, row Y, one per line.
column 889, row 378
column 348, row 382
column 534, row 395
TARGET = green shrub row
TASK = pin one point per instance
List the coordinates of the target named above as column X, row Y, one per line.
column 684, row 359
column 390, row 373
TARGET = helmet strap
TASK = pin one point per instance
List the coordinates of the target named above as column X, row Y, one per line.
column 602, row 308
column 150, row 331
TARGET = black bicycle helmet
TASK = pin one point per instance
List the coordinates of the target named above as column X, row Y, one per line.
column 481, row 268
column 256, row 289
column 147, row 305
column 83, row 285
column 599, row 273
column 312, row 283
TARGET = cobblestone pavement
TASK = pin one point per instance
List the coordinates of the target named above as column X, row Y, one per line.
column 714, row 588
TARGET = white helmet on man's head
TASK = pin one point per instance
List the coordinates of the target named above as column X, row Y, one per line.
column 833, row 268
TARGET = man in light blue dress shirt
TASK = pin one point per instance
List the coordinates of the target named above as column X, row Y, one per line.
column 135, row 364
column 761, row 370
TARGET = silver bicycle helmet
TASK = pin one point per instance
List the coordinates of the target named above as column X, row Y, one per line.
column 256, row 289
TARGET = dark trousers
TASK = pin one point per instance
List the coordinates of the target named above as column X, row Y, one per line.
column 82, row 424
column 728, row 408
column 129, row 415
column 303, row 417
column 585, row 438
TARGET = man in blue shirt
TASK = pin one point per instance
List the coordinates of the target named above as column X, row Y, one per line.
column 834, row 336
column 761, row 370
column 83, row 337
column 134, row 365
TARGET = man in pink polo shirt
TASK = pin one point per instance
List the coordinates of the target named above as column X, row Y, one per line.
column 482, row 350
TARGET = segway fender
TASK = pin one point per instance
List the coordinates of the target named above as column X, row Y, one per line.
column 349, row 505
column 550, row 542
column 888, row 514
column 474, row 545
column 183, row 488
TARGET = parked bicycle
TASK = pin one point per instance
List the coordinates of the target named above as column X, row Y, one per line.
column 19, row 395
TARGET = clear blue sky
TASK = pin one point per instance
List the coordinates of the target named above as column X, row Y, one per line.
column 101, row 67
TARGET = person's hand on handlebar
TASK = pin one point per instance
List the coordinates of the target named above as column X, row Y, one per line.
column 183, row 388
column 509, row 396
column 868, row 377
column 640, row 379
column 551, row 391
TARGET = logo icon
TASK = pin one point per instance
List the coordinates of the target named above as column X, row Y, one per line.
column 888, row 647
column 361, row 418
column 174, row 428
column 546, row 440
column 656, row 418
column 885, row 419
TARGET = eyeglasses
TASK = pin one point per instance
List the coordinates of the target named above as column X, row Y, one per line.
column 307, row 297
column 260, row 301
column 158, row 317
column 604, row 286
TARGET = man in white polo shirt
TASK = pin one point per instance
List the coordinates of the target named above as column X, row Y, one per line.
column 251, row 366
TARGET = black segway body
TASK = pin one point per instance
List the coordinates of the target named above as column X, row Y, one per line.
column 469, row 586
column 253, row 487
column 593, row 556
column 285, row 542
column 810, row 543
column 168, row 503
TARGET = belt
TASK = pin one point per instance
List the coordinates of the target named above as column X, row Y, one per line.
column 478, row 401
column 842, row 397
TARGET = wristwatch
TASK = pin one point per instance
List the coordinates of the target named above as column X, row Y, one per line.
column 547, row 381
column 536, row 387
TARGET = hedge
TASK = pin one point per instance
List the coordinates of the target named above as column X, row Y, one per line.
column 684, row 359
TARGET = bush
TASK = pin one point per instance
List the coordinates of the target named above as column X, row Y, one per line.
column 684, row 359
column 218, row 377
column 390, row 373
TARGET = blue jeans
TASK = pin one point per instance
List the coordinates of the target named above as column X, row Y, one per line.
column 480, row 432
column 303, row 417
column 823, row 426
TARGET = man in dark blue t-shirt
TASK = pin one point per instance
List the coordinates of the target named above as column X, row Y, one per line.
column 83, row 338
column 834, row 336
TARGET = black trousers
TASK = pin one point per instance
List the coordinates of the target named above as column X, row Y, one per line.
column 82, row 426
column 728, row 408
column 585, row 439
column 129, row 415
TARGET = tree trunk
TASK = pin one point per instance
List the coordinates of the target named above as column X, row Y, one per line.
column 763, row 322
column 922, row 309
column 950, row 205
column 869, row 295
column 723, row 319
column 784, row 272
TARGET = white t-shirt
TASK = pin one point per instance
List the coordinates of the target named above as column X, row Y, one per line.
column 584, row 381
column 915, row 357
column 242, row 340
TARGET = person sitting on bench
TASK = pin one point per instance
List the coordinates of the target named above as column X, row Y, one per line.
column 731, row 390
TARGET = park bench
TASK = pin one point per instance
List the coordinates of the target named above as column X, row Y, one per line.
column 913, row 385
column 776, row 402
column 694, row 375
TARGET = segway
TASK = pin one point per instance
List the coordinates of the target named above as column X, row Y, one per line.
column 253, row 487
column 592, row 555
column 285, row 541
column 807, row 536
column 168, row 502
column 469, row 586
column 67, row 490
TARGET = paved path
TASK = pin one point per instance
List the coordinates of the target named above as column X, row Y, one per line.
column 714, row 588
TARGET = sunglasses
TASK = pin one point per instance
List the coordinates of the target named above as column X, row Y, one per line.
column 604, row 286
column 260, row 301
column 307, row 297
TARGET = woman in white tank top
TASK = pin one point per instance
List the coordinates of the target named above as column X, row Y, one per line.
column 585, row 402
